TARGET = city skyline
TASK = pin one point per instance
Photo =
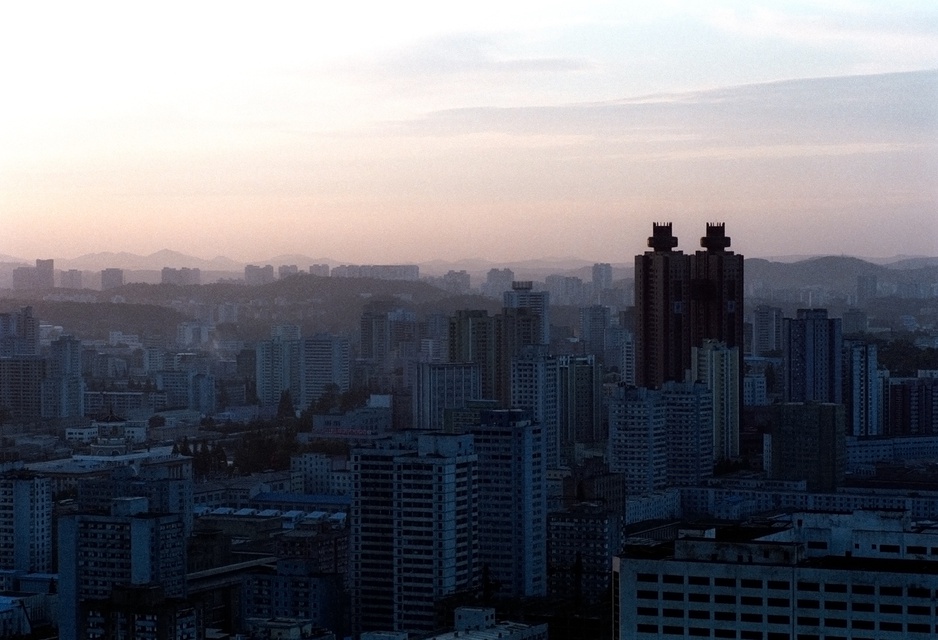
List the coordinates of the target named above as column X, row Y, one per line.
column 378, row 134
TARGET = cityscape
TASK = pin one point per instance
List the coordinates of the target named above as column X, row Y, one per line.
column 701, row 445
column 494, row 320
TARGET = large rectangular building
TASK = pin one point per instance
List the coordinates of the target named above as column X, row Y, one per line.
column 804, row 576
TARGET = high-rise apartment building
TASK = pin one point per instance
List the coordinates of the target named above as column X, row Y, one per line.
column 183, row 276
column 45, row 274
column 255, row 275
column 812, row 363
column 582, row 541
column 766, row 331
column 100, row 553
column 414, row 529
column 325, row 362
column 912, row 407
column 25, row 522
column 688, row 415
column 534, row 389
column 63, row 388
column 278, row 369
column 638, row 439
column 497, row 281
column 863, row 389
column 442, row 386
column 661, row 437
column 717, row 366
column 512, row 471
column 19, row 333
column 579, row 402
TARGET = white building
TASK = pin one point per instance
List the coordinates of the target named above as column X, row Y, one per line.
column 426, row 545
column 807, row 575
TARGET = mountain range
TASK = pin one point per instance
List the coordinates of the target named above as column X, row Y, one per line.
column 170, row 258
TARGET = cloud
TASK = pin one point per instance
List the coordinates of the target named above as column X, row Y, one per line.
column 886, row 109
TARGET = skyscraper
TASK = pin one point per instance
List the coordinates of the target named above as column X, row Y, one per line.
column 812, row 364
column 766, row 330
column 63, row 389
column 325, row 361
column 442, row 386
column 25, row 522
column 863, row 389
column 100, row 553
column 716, row 291
column 682, row 300
column 414, row 527
column 512, row 502
column 717, row 366
column 638, row 439
column 662, row 331
column 278, row 370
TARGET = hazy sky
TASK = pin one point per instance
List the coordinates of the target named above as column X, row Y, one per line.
column 407, row 131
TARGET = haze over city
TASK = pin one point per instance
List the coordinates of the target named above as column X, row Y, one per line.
column 392, row 133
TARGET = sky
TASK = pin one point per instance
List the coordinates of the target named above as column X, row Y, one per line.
column 405, row 132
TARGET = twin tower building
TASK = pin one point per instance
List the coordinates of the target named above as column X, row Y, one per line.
column 683, row 300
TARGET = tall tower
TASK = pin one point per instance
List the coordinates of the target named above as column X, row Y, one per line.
column 662, row 330
column 717, row 291
column 681, row 300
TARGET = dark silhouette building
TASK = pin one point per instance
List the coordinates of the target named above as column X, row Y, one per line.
column 682, row 300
